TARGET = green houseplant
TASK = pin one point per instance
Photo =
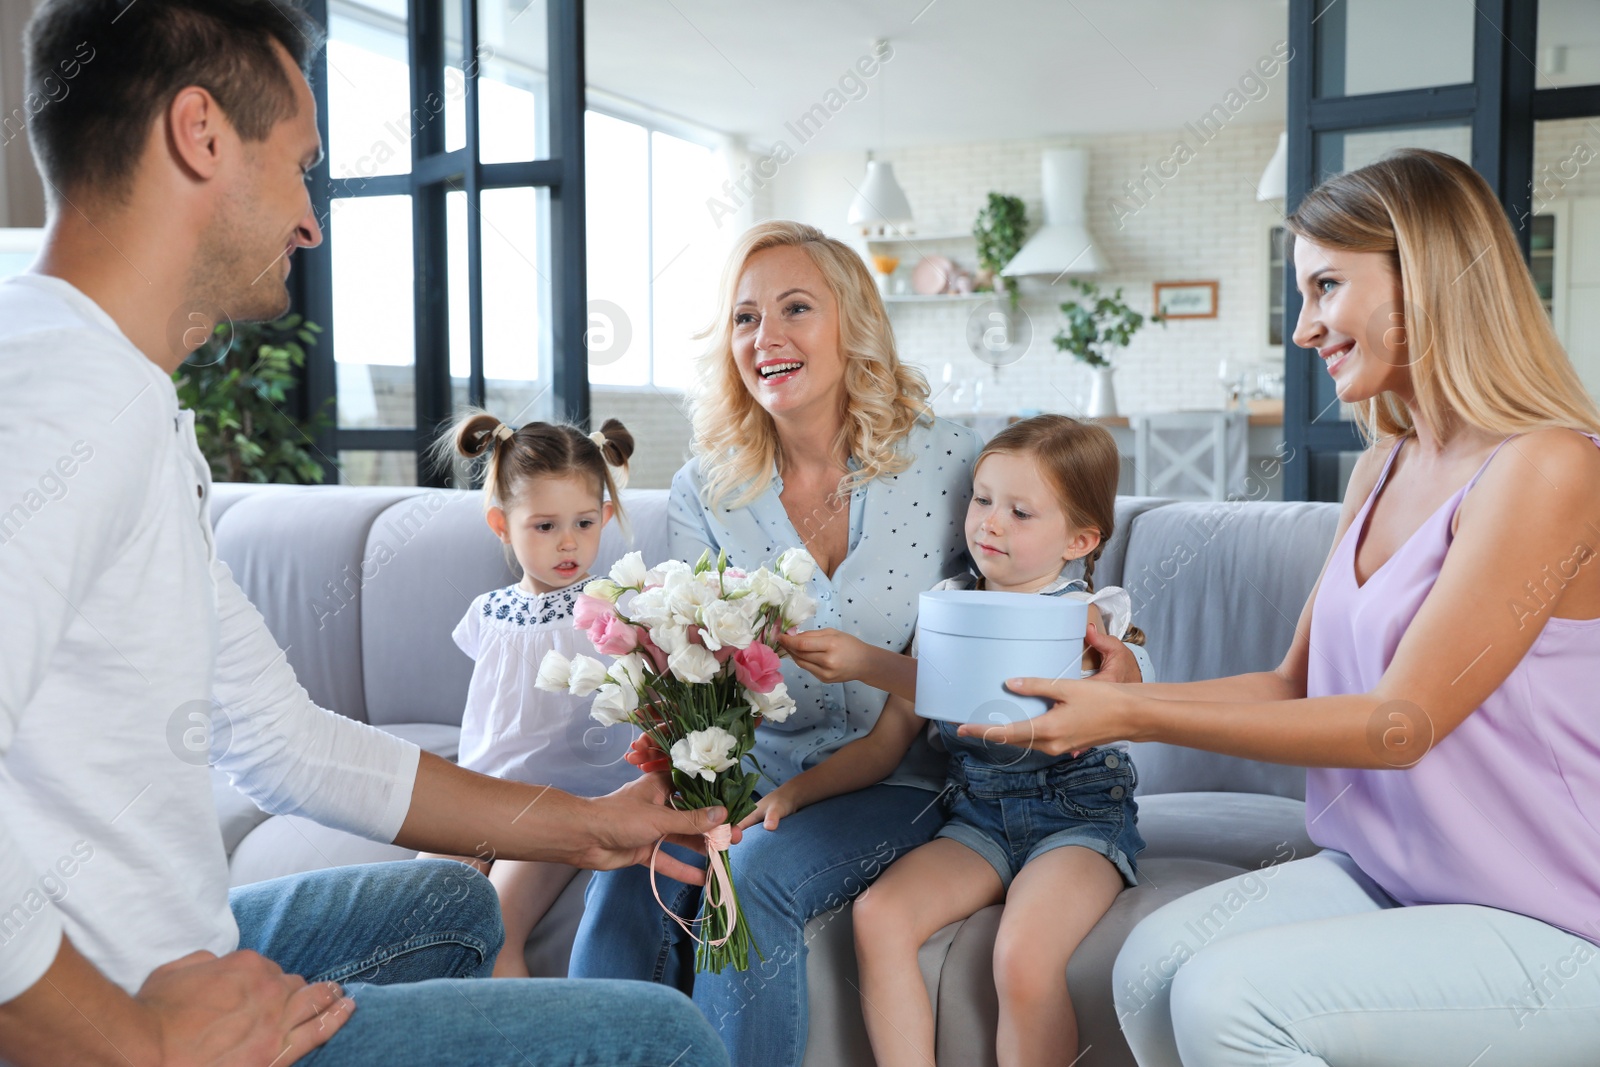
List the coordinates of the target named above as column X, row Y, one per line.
column 1097, row 326
column 237, row 384
column 998, row 230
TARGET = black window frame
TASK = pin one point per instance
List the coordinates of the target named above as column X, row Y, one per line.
column 1502, row 104
column 434, row 173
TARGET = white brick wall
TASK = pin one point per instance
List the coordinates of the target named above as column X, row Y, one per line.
column 1204, row 223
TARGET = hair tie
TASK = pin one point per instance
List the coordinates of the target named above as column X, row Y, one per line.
column 619, row 475
column 504, row 432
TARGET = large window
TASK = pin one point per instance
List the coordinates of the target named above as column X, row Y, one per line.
column 453, row 210
column 463, row 264
column 654, row 250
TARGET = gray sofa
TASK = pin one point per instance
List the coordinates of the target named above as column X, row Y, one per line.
column 362, row 586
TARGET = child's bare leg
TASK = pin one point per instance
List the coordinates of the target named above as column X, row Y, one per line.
column 921, row 893
column 1054, row 902
column 526, row 889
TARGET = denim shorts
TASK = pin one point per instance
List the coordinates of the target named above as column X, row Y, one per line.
column 1008, row 816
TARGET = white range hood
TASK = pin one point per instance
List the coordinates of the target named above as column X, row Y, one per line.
column 1062, row 245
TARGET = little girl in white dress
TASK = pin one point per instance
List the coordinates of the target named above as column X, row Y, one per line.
column 548, row 491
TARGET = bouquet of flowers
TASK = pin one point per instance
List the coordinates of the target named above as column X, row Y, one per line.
column 696, row 666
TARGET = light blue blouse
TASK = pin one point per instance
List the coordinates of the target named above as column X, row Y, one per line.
column 906, row 535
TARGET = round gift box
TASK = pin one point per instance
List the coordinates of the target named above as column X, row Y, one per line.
column 969, row 642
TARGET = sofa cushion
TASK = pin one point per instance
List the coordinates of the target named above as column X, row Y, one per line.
column 1245, row 830
column 1218, row 588
column 299, row 553
column 1108, row 570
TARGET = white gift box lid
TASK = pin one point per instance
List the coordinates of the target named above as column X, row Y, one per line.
column 1001, row 616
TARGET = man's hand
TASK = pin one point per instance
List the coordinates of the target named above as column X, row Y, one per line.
column 239, row 1009
column 830, row 655
column 628, row 823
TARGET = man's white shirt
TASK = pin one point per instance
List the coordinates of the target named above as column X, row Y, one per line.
column 121, row 633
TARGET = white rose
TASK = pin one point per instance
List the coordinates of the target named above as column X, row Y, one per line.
column 629, row 572
column 799, row 608
column 728, row 622
column 775, row 706
column 685, row 597
column 706, row 752
column 670, row 638
column 603, row 589
column 555, row 673
column 767, row 588
column 659, row 574
column 797, row 565
column 613, row 704
column 693, row 664
column 629, row 671
column 587, row 676
column 649, row 608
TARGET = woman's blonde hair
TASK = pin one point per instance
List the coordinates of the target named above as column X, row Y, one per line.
column 1480, row 347
column 734, row 437
column 1080, row 461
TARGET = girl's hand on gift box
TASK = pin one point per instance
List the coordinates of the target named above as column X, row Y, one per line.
column 771, row 808
column 1116, row 661
column 830, row 655
column 1085, row 714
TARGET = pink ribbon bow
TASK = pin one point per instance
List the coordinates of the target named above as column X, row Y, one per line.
column 719, row 885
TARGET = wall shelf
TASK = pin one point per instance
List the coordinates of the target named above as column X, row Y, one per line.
column 936, row 298
column 913, row 238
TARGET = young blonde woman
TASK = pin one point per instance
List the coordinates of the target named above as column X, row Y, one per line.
column 1440, row 686
column 808, row 431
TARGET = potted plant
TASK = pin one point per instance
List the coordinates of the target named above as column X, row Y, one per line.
column 1096, row 327
column 999, row 230
column 237, row 385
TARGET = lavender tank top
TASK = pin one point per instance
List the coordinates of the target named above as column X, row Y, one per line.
column 1505, row 811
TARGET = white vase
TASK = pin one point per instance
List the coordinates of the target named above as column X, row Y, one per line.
column 1102, row 395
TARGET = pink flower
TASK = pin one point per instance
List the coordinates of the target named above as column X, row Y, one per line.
column 613, row 637
column 757, row 668
column 589, row 610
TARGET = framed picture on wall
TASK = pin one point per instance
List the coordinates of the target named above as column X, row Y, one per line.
column 1186, row 300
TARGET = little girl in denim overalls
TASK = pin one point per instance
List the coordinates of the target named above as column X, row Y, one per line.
column 1053, row 837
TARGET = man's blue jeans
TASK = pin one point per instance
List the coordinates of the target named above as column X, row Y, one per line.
column 413, row 943
column 816, row 860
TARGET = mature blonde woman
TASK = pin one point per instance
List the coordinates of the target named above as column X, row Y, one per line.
column 1440, row 685
column 808, row 431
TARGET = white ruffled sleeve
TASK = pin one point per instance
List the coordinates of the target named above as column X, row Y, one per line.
column 1114, row 603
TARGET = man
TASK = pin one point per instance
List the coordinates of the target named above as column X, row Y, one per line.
column 174, row 145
